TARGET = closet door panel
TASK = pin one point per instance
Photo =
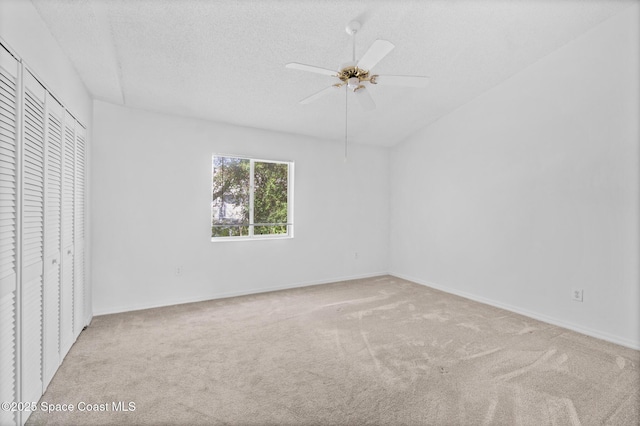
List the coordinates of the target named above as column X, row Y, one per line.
column 67, row 209
column 52, row 238
column 8, row 231
column 32, row 247
column 79, row 221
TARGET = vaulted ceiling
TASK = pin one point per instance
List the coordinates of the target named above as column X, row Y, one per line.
column 224, row 60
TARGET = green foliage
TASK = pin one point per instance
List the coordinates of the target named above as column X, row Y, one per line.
column 230, row 188
column 270, row 197
column 229, row 231
column 230, row 199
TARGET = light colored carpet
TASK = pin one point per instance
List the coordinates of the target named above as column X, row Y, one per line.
column 374, row 351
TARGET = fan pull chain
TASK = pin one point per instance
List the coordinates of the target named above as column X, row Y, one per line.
column 353, row 32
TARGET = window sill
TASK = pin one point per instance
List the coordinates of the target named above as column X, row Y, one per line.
column 261, row 238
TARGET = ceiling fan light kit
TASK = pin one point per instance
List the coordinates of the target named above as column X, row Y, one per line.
column 356, row 75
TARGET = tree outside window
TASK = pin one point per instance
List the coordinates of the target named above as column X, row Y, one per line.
column 250, row 198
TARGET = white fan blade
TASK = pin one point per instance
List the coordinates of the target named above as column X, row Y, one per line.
column 378, row 50
column 318, row 95
column 311, row 68
column 365, row 99
column 402, row 80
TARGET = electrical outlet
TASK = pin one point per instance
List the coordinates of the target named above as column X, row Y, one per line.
column 356, row 256
column 178, row 271
column 577, row 294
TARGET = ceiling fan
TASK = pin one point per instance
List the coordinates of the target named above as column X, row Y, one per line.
column 357, row 76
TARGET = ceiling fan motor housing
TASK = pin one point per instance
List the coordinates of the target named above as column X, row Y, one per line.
column 352, row 76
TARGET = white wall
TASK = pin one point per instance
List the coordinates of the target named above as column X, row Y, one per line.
column 27, row 36
column 532, row 189
column 151, row 189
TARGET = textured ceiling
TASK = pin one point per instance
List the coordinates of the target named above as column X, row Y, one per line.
column 224, row 60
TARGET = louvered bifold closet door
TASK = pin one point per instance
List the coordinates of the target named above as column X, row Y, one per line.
column 32, row 238
column 8, row 231
column 52, row 238
column 79, row 219
column 67, row 336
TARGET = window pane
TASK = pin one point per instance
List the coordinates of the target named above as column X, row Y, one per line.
column 266, row 230
column 230, row 202
column 270, row 198
column 229, row 231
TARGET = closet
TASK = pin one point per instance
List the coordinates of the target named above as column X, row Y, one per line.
column 42, row 230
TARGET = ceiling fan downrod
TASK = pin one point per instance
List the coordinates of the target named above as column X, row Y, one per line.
column 352, row 28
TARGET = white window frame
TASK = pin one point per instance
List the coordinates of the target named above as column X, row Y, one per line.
column 290, row 192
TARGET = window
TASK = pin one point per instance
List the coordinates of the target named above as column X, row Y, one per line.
column 251, row 199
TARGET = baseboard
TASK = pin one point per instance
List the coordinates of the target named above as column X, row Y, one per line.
column 224, row 295
column 515, row 309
